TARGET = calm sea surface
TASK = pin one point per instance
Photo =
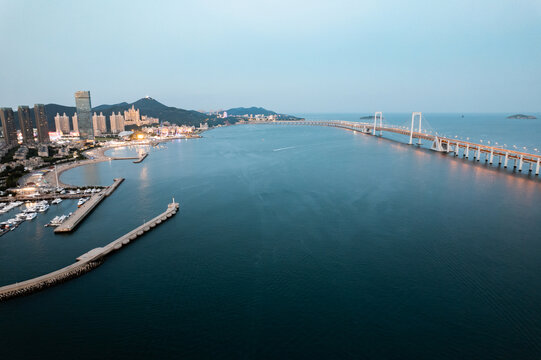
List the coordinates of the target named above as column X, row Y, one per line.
column 293, row 242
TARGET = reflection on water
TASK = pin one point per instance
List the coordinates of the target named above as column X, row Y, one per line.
column 350, row 245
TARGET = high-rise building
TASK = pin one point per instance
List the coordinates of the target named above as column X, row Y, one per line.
column 116, row 122
column 25, row 122
column 62, row 124
column 41, row 123
column 98, row 124
column 131, row 116
column 84, row 117
column 8, row 126
column 75, row 123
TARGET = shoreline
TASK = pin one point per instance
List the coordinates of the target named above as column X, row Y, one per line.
column 94, row 156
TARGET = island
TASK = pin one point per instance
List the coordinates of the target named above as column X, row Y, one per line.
column 521, row 116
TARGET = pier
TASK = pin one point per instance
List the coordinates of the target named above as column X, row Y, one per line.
column 520, row 160
column 79, row 215
column 143, row 157
column 85, row 262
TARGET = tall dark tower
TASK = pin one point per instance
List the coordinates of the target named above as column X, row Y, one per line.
column 8, row 126
column 25, row 121
column 41, row 123
column 82, row 103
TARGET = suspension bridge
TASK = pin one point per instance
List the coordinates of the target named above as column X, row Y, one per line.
column 519, row 160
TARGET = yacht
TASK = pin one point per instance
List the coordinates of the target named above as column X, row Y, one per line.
column 30, row 216
column 43, row 207
column 56, row 201
column 81, row 201
column 21, row 216
column 57, row 220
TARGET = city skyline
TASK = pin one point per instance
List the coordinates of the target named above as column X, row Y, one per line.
column 289, row 57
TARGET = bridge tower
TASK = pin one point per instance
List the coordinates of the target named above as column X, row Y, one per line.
column 413, row 116
column 380, row 123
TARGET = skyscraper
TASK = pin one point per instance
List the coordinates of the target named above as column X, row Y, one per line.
column 98, row 123
column 75, row 123
column 84, row 117
column 25, row 122
column 8, row 126
column 41, row 123
column 131, row 116
column 117, row 123
column 62, row 124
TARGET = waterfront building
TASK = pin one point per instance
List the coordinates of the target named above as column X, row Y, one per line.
column 75, row 123
column 131, row 116
column 84, row 118
column 25, row 123
column 41, row 123
column 148, row 120
column 8, row 126
column 98, row 124
column 116, row 123
column 204, row 126
column 62, row 124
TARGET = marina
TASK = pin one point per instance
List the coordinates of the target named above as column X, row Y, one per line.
column 86, row 208
column 85, row 262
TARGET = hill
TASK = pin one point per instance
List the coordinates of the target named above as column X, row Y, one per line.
column 147, row 106
column 150, row 107
column 240, row 111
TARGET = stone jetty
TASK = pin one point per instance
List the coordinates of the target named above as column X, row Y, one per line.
column 85, row 262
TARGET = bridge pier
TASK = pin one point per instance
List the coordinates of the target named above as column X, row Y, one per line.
column 467, row 153
column 491, row 156
column 506, row 160
column 478, row 155
column 537, row 167
column 457, row 149
column 531, row 167
column 515, row 165
column 520, row 163
column 499, row 160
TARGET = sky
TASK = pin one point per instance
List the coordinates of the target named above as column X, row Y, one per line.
column 285, row 55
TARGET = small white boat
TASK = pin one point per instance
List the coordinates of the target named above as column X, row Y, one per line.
column 56, row 201
column 43, row 207
column 81, row 201
column 30, row 216
column 21, row 216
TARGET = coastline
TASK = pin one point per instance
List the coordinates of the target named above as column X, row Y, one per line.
column 94, row 156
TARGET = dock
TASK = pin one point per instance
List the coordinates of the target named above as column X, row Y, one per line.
column 85, row 262
column 80, row 214
column 143, row 157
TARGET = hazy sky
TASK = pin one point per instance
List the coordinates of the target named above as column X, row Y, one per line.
column 286, row 55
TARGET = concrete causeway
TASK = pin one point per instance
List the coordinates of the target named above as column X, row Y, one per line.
column 85, row 262
column 71, row 223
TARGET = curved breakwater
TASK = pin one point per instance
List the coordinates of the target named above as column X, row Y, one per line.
column 85, row 262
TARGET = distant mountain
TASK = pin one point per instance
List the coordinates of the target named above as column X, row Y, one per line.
column 251, row 110
column 521, row 116
column 105, row 107
column 150, row 107
column 147, row 106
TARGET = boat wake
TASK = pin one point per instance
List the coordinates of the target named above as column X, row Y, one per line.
column 285, row 148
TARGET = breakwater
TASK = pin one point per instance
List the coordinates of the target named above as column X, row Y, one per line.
column 143, row 157
column 85, row 262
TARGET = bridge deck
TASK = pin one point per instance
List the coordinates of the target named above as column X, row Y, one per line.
column 366, row 128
